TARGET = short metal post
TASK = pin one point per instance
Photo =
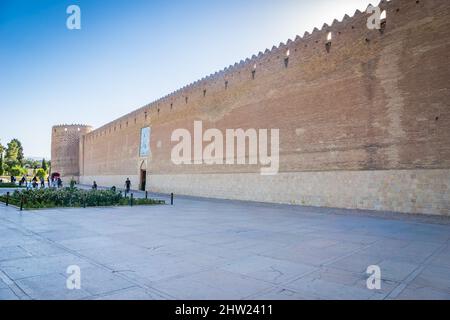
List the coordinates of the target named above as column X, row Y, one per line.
column 146, row 194
column 21, row 203
column 7, row 199
column 84, row 202
column 131, row 200
column 171, row 199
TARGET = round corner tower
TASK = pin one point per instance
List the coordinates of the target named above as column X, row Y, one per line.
column 66, row 149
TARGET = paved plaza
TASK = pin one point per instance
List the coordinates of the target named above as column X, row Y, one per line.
column 213, row 249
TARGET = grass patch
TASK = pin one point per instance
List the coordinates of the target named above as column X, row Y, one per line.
column 72, row 198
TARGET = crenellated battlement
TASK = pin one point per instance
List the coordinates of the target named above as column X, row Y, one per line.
column 228, row 71
column 65, row 148
column 345, row 32
column 73, row 125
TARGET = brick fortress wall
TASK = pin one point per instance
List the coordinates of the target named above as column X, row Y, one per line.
column 364, row 121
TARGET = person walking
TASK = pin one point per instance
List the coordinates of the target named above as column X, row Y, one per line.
column 34, row 182
column 127, row 186
column 42, row 183
column 94, row 186
column 59, row 183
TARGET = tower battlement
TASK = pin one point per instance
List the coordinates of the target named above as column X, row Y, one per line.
column 66, row 148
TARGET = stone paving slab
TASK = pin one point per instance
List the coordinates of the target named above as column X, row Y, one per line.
column 50, row 286
column 134, row 293
column 215, row 249
column 7, row 294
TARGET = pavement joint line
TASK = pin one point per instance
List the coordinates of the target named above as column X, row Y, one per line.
column 333, row 260
column 104, row 294
column 413, row 275
column 284, row 284
column 404, row 284
column 124, row 277
column 15, row 288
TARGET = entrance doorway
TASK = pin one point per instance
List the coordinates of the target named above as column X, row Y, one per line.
column 143, row 180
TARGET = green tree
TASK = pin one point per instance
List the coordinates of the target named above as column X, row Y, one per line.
column 44, row 165
column 40, row 173
column 14, row 153
column 17, row 171
column 20, row 155
column 1, row 160
column 31, row 164
column 2, row 171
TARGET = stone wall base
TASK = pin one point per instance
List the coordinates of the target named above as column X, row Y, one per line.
column 108, row 181
column 408, row 191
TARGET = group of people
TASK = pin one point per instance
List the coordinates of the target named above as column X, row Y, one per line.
column 127, row 186
column 56, row 183
column 38, row 182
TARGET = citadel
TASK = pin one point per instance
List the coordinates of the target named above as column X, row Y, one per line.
column 363, row 118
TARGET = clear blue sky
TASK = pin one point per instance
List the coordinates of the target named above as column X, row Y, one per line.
column 129, row 53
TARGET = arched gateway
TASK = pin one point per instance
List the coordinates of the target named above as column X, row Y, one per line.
column 143, row 175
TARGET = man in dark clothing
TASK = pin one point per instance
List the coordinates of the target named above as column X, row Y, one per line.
column 94, row 186
column 128, row 185
column 34, row 182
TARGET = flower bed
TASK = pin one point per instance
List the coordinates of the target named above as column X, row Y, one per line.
column 72, row 198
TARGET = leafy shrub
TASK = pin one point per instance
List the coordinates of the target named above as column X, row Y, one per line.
column 72, row 197
column 40, row 173
column 17, row 171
